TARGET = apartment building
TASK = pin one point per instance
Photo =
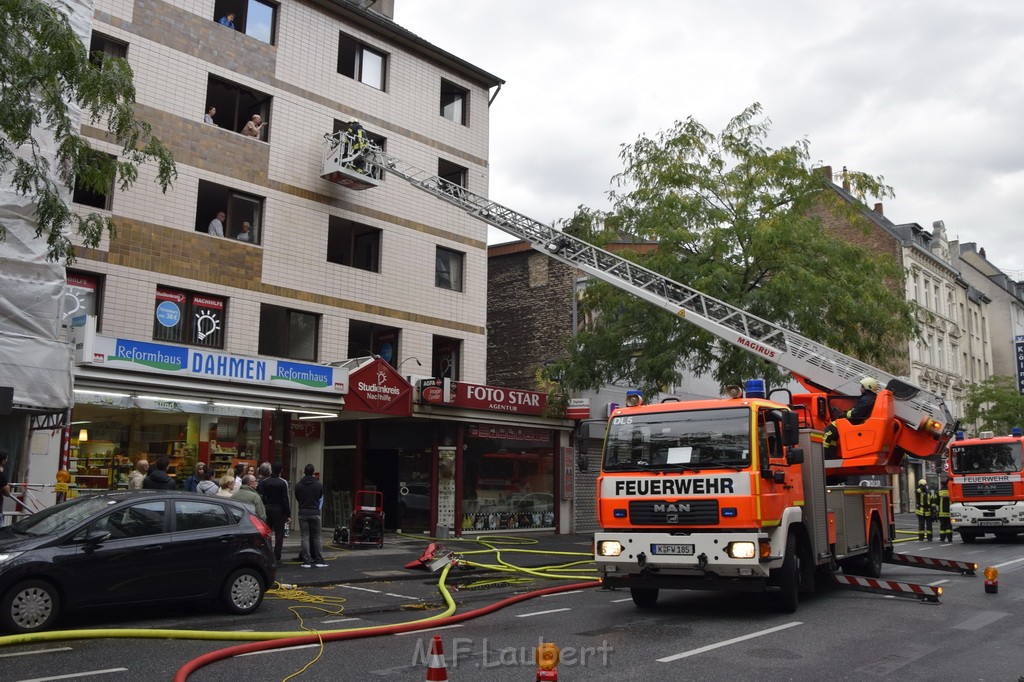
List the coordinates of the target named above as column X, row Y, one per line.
column 259, row 311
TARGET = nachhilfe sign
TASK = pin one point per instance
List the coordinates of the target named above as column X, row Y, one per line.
column 674, row 486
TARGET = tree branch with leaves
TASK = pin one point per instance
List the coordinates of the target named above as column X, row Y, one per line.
column 45, row 71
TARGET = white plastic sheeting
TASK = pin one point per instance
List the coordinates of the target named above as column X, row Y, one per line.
column 34, row 357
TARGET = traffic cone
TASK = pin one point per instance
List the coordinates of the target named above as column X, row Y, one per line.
column 437, row 671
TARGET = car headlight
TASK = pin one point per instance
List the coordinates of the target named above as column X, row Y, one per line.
column 609, row 548
column 7, row 556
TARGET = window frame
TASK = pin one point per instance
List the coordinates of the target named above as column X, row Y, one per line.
column 266, row 331
column 100, row 43
column 89, row 302
column 240, row 8
column 348, row 46
column 208, row 200
column 86, row 196
column 454, row 99
column 228, row 97
column 455, row 276
column 185, row 299
column 354, row 236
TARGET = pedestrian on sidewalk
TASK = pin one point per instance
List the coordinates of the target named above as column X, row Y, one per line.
column 309, row 494
column 924, row 511
column 248, row 496
column 275, row 498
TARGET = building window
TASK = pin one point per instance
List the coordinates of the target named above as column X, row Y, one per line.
column 448, row 270
column 446, row 358
column 352, row 244
column 189, row 317
column 366, row 337
column 236, row 105
column 251, row 17
column 101, row 46
column 238, row 208
column 359, row 62
column 453, row 102
column 457, row 175
column 82, row 298
column 288, row 333
column 90, row 190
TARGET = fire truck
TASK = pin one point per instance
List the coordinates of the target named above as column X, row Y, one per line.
column 986, row 490
column 727, row 494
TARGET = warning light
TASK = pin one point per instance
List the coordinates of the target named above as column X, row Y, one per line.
column 991, row 580
column 546, row 656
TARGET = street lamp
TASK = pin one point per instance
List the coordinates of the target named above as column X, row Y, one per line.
column 415, row 359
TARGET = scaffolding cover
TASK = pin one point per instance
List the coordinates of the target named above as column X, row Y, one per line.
column 35, row 358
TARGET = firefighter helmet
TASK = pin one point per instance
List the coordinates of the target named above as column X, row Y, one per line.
column 354, row 121
column 869, row 383
column 922, row 482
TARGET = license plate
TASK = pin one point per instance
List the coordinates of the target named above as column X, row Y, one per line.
column 686, row 550
column 990, row 523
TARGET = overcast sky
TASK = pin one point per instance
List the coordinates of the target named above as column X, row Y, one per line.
column 929, row 95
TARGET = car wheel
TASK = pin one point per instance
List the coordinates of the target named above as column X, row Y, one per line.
column 644, row 597
column 30, row 606
column 243, row 591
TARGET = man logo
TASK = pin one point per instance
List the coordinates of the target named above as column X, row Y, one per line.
column 672, row 508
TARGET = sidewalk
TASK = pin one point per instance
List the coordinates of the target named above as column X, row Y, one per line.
column 367, row 563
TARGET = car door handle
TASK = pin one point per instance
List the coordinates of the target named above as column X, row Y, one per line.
column 154, row 548
column 226, row 538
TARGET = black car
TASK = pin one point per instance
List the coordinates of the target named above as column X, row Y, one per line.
column 132, row 548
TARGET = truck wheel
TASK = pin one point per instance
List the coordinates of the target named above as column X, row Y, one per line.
column 787, row 579
column 644, row 597
column 872, row 563
column 968, row 536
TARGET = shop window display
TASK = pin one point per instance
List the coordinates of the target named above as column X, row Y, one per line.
column 508, row 479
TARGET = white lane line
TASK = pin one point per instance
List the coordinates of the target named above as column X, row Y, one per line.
column 402, row 596
column 981, row 620
column 938, row 582
column 361, row 589
column 541, row 613
column 40, row 651
column 274, row 651
column 619, row 601
column 419, row 632
column 340, row 620
column 82, row 674
column 559, row 594
column 709, row 647
column 1007, row 563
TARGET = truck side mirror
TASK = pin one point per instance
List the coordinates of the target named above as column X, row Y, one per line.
column 790, row 428
column 794, row 455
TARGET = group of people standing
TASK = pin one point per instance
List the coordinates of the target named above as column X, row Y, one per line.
column 263, row 490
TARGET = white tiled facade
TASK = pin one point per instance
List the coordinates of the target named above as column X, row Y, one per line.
column 308, row 95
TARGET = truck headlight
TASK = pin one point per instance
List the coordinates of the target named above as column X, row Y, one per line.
column 609, row 548
column 741, row 550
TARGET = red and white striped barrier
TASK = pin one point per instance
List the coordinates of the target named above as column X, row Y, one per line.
column 910, row 590
column 961, row 567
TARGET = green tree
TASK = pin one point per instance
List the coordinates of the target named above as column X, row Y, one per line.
column 44, row 66
column 996, row 404
column 741, row 222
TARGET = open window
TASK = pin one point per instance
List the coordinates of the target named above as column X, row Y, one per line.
column 101, row 46
column 453, row 173
column 236, row 105
column 353, row 244
column 361, row 63
column 254, row 18
column 239, row 208
column 454, row 102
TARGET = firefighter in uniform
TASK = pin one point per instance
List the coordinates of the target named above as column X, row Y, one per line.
column 945, row 526
column 860, row 411
column 924, row 511
column 357, row 139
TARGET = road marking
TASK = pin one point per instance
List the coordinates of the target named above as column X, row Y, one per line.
column 938, row 582
column 417, row 632
column 619, row 601
column 709, row 647
column 40, row 651
column 1007, row 563
column 979, row 621
column 361, row 589
column 541, row 613
column 340, row 620
column 274, row 651
column 401, row 596
column 71, row 675
column 559, row 594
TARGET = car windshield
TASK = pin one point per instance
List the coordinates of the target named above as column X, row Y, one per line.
column 62, row 517
column 986, row 458
column 690, row 440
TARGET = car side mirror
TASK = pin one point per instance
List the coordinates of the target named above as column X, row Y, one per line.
column 96, row 536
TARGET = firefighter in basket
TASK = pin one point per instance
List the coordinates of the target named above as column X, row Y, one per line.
column 856, row 415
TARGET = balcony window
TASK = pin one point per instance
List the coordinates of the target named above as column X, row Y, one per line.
column 189, row 317
column 238, row 208
column 254, row 18
column 288, row 333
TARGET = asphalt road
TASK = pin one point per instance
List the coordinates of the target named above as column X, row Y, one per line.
column 835, row 635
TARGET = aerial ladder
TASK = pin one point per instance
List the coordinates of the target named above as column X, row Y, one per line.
column 922, row 424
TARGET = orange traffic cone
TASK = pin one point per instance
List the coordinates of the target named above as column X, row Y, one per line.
column 437, row 671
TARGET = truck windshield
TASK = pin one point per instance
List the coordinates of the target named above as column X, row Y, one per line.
column 985, row 458
column 691, row 440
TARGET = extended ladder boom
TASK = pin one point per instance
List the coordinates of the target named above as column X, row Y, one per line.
column 809, row 361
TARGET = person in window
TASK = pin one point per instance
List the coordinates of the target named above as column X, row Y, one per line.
column 228, row 20
column 246, row 234
column 254, row 127
column 216, row 226
column 210, row 113
column 857, row 414
column 157, row 479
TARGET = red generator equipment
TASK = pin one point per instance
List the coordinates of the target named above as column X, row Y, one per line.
column 366, row 527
